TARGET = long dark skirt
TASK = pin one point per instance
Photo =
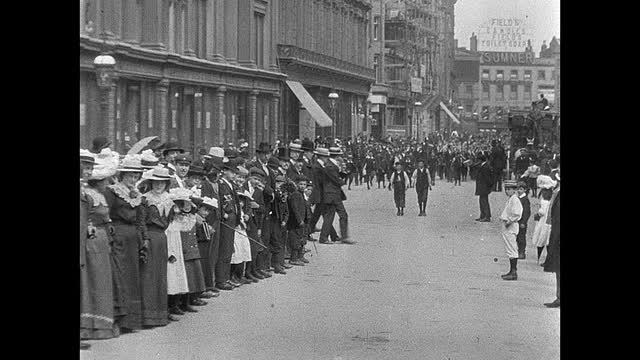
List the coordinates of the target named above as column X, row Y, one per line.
column 153, row 279
column 205, row 262
column 399, row 195
column 125, row 253
column 195, row 277
column 97, row 319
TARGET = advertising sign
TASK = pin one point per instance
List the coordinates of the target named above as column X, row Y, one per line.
column 416, row 85
column 504, row 34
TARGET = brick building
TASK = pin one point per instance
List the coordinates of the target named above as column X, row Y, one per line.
column 202, row 72
column 412, row 52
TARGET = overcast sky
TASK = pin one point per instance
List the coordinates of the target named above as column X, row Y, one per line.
column 543, row 17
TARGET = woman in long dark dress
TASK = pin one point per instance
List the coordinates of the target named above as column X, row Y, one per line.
column 101, row 302
column 552, row 263
column 158, row 211
column 127, row 218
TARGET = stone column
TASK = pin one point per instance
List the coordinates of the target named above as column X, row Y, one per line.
column 275, row 119
column 218, row 30
column 108, row 108
column 152, row 27
column 273, row 20
column 190, row 29
column 246, row 34
column 162, row 108
column 219, row 114
column 231, row 31
column 130, row 23
column 253, row 97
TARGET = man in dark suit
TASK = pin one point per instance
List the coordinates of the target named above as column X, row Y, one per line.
column 256, row 185
column 230, row 209
column 498, row 163
column 484, row 184
column 317, row 178
column 333, row 196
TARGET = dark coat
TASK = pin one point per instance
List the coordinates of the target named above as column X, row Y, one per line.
column 552, row 264
column 498, row 158
column 84, row 213
column 332, row 185
column 526, row 210
column 318, row 183
column 229, row 203
column 297, row 211
column 484, row 180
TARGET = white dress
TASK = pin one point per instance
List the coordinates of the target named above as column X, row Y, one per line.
column 176, row 272
column 542, row 230
column 241, row 246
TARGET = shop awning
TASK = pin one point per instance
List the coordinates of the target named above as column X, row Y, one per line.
column 453, row 117
column 316, row 112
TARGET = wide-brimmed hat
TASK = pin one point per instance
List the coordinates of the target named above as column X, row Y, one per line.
column 181, row 194
column 307, row 145
column 230, row 164
column 171, row 146
column 295, row 147
column 100, row 143
column 148, row 160
column 159, row 173
column 196, row 170
column 87, row 157
column 545, row 182
column 207, row 202
column 254, row 171
column 283, row 154
column 215, row 152
column 320, row 151
column 263, row 147
column 131, row 163
column 335, row 151
column 510, row 184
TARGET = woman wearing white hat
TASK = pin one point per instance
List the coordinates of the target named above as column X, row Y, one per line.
column 158, row 211
column 126, row 214
column 99, row 303
column 542, row 230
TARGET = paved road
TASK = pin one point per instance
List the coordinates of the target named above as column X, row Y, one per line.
column 411, row 288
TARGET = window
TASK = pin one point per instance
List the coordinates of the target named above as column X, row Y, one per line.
column 527, row 92
column 259, row 40
column 376, row 27
column 513, row 93
column 514, row 74
column 527, row 74
column 499, row 92
column 500, row 74
column 469, row 89
column 485, row 74
column 376, row 67
column 485, row 91
column 540, row 74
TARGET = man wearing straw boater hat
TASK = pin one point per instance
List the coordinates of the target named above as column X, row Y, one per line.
column 510, row 215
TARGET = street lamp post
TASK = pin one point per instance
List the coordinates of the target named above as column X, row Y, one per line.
column 105, row 73
column 333, row 97
column 417, row 105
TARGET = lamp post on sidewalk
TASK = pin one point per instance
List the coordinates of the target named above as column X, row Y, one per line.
column 333, row 97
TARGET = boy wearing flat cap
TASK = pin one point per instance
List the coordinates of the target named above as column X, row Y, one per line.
column 510, row 216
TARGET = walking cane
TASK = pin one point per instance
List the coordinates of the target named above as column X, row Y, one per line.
column 255, row 241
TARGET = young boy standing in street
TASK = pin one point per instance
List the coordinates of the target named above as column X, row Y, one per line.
column 400, row 183
column 510, row 215
column 521, row 239
column 296, row 221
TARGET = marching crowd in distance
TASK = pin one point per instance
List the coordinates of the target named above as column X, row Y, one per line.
column 163, row 230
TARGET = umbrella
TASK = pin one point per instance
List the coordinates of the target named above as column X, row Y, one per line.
column 137, row 147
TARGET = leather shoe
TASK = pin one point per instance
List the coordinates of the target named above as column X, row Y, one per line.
column 484, row 220
column 478, row 219
column 206, row 295
column 224, row 286
column 554, row 304
column 244, row 281
column 173, row 318
column 280, row 270
column 198, row 302
column 256, row 274
column 347, row 241
column 510, row 276
column 287, row 266
column 175, row 310
column 188, row 308
column 296, row 262
column 251, row 278
column 233, row 283
column 266, row 274
column 328, row 242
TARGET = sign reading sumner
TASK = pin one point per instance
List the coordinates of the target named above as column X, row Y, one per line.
column 506, row 58
column 500, row 34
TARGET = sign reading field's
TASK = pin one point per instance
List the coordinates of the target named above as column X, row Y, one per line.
column 504, row 34
column 506, row 58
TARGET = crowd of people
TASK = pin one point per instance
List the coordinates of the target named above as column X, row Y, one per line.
column 163, row 230
column 160, row 231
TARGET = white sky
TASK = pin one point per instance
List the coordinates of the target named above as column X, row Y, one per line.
column 542, row 15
